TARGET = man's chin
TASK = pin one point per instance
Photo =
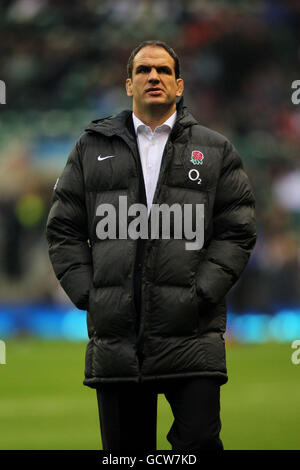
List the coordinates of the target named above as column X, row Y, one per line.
column 158, row 101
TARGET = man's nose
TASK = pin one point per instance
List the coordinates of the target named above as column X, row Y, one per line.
column 153, row 75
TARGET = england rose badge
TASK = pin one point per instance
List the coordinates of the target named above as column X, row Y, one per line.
column 197, row 157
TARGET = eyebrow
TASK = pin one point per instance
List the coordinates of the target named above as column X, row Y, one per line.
column 160, row 69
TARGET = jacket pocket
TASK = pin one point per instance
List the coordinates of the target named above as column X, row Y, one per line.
column 111, row 311
column 202, row 255
column 89, row 321
column 202, row 304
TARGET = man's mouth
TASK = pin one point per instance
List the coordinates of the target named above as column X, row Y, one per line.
column 154, row 91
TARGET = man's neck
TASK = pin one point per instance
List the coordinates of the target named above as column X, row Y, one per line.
column 154, row 117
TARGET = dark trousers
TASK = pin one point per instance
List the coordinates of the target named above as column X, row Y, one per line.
column 128, row 415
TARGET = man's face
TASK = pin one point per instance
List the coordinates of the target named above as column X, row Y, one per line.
column 153, row 81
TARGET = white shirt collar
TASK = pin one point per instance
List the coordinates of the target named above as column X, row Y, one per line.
column 169, row 122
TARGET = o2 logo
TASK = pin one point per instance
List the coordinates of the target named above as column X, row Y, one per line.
column 194, row 175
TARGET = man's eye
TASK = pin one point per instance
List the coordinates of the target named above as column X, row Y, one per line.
column 164, row 70
column 143, row 70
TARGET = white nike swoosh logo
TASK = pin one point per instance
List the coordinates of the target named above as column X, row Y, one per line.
column 104, row 158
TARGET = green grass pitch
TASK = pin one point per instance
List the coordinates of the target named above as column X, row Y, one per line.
column 43, row 404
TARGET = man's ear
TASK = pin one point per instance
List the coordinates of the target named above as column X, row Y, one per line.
column 180, row 87
column 129, row 87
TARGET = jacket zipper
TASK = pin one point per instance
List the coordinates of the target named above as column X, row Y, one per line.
column 143, row 253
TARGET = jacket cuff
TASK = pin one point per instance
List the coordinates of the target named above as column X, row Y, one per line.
column 77, row 285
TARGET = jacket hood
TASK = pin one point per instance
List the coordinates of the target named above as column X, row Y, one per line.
column 118, row 123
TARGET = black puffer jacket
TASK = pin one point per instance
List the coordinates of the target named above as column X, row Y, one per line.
column 154, row 309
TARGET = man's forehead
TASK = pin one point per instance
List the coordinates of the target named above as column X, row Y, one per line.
column 153, row 56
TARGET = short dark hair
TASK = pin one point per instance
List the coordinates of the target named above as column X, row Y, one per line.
column 158, row 44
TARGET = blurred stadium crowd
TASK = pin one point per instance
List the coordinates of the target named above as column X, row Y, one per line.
column 64, row 64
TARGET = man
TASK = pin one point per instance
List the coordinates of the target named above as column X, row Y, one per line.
column 156, row 311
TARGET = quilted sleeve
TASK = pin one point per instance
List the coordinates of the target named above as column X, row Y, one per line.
column 67, row 233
